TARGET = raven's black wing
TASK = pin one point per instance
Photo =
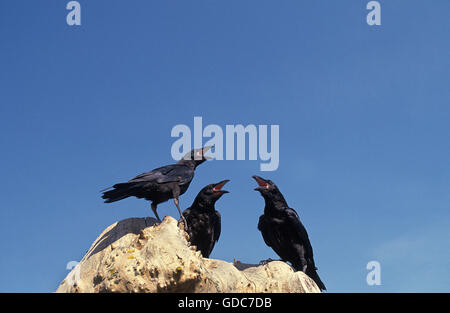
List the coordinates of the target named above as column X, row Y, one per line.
column 271, row 238
column 263, row 228
column 179, row 173
column 166, row 174
column 217, row 226
column 303, row 236
column 300, row 231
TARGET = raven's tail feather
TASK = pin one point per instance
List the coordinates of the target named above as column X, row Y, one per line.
column 312, row 273
column 120, row 191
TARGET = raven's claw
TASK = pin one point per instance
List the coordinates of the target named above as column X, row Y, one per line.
column 265, row 262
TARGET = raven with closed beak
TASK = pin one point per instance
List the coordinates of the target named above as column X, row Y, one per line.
column 160, row 184
column 203, row 219
column 282, row 230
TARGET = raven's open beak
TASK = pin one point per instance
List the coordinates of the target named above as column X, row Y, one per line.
column 204, row 150
column 218, row 187
column 262, row 184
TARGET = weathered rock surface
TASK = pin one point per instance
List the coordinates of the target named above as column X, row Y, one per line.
column 135, row 255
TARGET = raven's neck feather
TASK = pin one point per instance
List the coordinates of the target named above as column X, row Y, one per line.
column 203, row 205
column 275, row 203
column 190, row 163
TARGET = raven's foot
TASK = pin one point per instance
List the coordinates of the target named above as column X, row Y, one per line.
column 183, row 222
column 265, row 262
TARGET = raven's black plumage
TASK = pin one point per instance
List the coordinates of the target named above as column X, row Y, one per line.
column 160, row 184
column 282, row 230
column 203, row 219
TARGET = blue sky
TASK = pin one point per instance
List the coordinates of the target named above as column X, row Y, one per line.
column 363, row 112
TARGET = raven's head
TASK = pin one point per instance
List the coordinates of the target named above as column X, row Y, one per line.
column 268, row 189
column 197, row 156
column 211, row 193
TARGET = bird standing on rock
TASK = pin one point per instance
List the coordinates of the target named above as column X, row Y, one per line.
column 203, row 219
column 160, row 184
column 282, row 230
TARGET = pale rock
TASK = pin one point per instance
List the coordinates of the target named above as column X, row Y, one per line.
column 136, row 255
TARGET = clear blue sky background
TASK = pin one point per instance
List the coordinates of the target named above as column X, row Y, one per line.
column 364, row 115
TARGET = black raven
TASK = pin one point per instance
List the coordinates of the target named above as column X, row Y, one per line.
column 161, row 184
column 282, row 230
column 203, row 219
